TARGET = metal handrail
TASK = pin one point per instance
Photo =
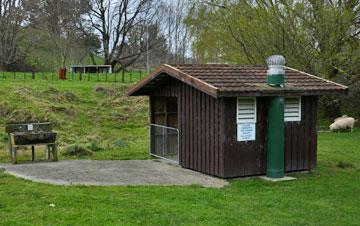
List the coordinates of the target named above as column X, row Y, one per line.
column 166, row 127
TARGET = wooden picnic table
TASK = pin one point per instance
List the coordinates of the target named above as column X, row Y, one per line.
column 23, row 134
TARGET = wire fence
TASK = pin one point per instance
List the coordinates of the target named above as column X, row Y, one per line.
column 164, row 142
column 122, row 76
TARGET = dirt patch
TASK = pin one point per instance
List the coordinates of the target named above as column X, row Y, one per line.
column 117, row 117
column 70, row 97
column 4, row 109
column 55, row 95
column 50, row 91
column 22, row 91
column 64, row 110
column 21, row 115
column 104, row 90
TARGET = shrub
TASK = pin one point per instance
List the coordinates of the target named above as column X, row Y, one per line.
column 4, row 138
column 344, row 165
column 93, row 146
column 77, row 150
column 120, row 143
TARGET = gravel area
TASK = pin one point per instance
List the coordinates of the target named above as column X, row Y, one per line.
column 111, row 172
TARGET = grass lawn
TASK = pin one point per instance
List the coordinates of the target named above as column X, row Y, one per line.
column 330, row 196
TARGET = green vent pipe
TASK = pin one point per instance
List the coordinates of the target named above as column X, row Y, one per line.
column 275, row 129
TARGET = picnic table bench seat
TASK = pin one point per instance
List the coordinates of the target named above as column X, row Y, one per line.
column 22, row 134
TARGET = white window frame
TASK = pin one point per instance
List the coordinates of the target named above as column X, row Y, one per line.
column 255, row 110
column 298, row 118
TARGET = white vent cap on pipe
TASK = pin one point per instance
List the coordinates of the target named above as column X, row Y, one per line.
column 276, row 65
column 275, row 60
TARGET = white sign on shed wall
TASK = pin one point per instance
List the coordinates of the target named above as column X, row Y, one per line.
column 246, row 131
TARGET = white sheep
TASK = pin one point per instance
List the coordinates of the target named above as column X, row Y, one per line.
column 344, row 116
column 342, row 123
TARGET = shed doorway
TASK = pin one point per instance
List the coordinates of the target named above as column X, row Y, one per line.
column 164, row 132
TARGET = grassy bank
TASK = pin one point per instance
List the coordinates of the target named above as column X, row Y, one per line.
column 95, row 115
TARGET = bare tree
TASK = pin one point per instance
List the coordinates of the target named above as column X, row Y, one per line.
column 12, row 14
column 178, row 35
column 114, row 20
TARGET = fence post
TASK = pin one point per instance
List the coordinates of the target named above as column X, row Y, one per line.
column 97, row 74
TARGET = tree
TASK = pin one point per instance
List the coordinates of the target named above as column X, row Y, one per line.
column 91, row 45
column 313, row 35
column 155, row 47
column 177, row 33
column 56, row 21
column 320, row 37
column 12, row 15
column 114, row 20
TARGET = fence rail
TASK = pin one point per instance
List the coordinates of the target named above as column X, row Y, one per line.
column 164, row 142
column 123, row 76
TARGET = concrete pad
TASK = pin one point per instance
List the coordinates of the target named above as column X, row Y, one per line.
column 286, row 178
column 111, row 172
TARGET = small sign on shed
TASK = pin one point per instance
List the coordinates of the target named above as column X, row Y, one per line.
column 246, row 131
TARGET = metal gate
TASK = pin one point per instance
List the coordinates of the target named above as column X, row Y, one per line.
column 164, row 142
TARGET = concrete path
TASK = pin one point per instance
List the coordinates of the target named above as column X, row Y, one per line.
column 102, row 173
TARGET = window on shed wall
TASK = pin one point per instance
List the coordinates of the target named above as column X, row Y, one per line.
column 165, row 111
column 246, row 110
column 292, row 109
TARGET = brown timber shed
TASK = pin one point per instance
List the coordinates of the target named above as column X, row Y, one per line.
column 207, row 105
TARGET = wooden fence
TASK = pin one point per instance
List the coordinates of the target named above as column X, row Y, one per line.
column 122, row 76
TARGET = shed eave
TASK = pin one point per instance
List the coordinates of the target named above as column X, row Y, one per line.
column 177, row 74
column 314, row 76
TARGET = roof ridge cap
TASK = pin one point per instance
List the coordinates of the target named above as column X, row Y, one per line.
column 314, row 76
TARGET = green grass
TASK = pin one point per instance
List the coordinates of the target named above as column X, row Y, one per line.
column 329, row 196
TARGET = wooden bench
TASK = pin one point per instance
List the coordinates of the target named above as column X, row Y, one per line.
column 32, row 134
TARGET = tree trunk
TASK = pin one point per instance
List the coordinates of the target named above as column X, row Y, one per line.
column 113, row 64
column 92, row 57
